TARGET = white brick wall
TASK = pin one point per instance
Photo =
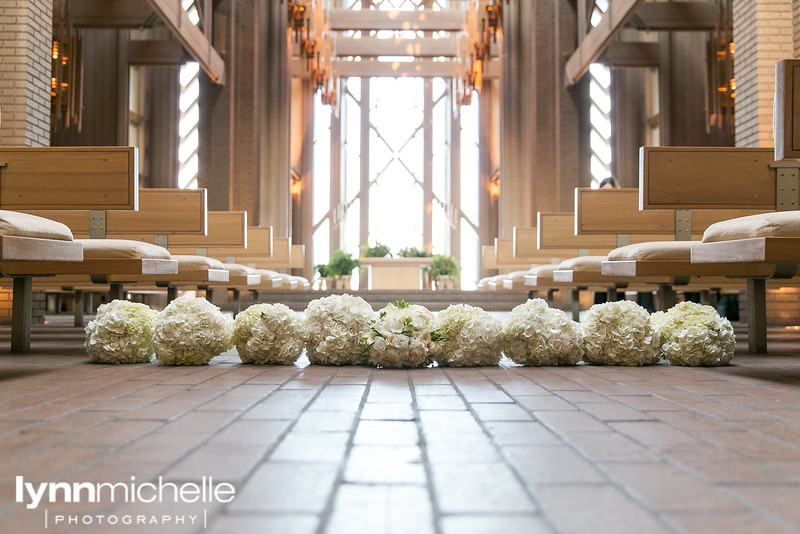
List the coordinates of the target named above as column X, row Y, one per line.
column 763, row 33
column 25, row 30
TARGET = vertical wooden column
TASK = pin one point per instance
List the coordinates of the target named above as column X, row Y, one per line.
column 21, row 310
column 274, row 99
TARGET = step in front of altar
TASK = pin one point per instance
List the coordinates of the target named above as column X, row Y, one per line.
column 433, row 300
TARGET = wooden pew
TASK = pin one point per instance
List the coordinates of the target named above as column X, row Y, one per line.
column 58, row 178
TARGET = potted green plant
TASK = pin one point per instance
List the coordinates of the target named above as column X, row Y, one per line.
column 325, row 276
column 414, row 252
column 341, row 265
column 378, row 251
column 445, row 271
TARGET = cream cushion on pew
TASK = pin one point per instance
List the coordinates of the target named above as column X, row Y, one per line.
column 189, row 262
column 655, row 250
column 512, row 280
column 17, row 224
column 774, row 224
column 582, row 263
column 121, row 249
column 270, row 278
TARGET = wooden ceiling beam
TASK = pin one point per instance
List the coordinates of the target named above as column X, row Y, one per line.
column 598, row 38
column 109, row 13
column 676, row 16
column 159, row 52
column 191, row 37
column 631, row 55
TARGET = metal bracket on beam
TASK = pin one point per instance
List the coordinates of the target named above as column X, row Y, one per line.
column 623, row 240
column 785, row 270
column 683, row 225
column 583, row 252
column 162, row 240
column 97, row 224
column 201, row 252
column 230, row 259
column 786, row 188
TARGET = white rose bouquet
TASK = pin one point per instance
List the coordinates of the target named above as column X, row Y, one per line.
column 336, row 327
column 619, row 333
column 402, row 336
column 191, row 331
column 694, row 335
column 536, row 334
column 120, row 333
column 269, row 334
column 468, row 337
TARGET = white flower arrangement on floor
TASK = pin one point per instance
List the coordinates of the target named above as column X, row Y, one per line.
column 269, row 334
column 468, row 336
column 536, row 334
column 619, row 333
column 191, row 331
column 694, row 335
column 120, row 333
column 403, row 335
column 336, row 327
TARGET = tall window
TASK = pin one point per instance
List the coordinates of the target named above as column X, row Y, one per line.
column 407, row 173
column 188, row 162
column 600, row 112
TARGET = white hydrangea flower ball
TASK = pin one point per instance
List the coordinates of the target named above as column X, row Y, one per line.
column 191, row 331
column 469, row 336
column 120, row 333
column 402, row 336
column 619, row 333
column 336, row 327
column 694, row 335
column 269, row 334
column 536, row 334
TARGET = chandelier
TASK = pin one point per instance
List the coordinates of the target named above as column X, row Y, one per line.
column 66, row 73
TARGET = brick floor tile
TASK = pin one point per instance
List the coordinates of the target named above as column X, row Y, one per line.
column 596, row 508
column 479, row 488
column 434, row 389
column 611, row 447
column 381, row 509
column 265, row 524
column 312, row 447
column 546, row 464
column 500, row 412
column 296, row 487
column 521, row 433
column 385, row 464
column 440, row 403
column 388, row 411
column 386, row 433
column 614, row 411
column 329, row 421
column 542, row 403
column 486, row 395
column 726, row 523
column 483, row 524
column 664, row 487
column 778, row 501
column 655, row 434
column 437, row 422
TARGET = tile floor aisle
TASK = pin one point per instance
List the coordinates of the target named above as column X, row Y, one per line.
column 347, row 450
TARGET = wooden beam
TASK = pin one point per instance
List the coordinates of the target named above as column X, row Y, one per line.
column 596, row 41
column 370, row 47
column 191, row 37
column 631, row 55
column 156, row 53
column 109, row 13
column 347, row 19
column 676, row 16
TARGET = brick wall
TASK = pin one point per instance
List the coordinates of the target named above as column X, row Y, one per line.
column 783, row 306
column 25, row 29
column 796, row 28
column 762, row 31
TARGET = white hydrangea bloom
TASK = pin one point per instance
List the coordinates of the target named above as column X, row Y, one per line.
column 619, row 333
column 336, row 327
column 269, row 334
column 403, row 336
column 536, row 334
column 694, row 335
column 120, row 333
column 469, row 336
column 191, row 331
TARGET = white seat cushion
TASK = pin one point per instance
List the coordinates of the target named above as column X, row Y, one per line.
column 583, row 263
column 13, row 223
column 654, row 250
column 774, row 224
column 121, row 249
